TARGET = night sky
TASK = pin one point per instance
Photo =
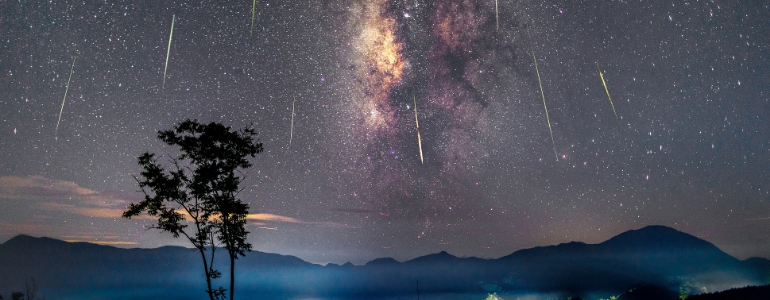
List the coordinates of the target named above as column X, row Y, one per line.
column 688, row 145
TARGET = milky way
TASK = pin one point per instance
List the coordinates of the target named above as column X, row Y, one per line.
column 441, row 55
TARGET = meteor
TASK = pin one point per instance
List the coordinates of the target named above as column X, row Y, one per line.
column 497, row 17
column 168, row 50
column 291, row 132
column 253, row 9
column 56, row 134
column 606, row 90
column 417, row 123
column 544, row 106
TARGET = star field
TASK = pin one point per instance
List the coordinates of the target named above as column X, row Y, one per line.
column 689, row 148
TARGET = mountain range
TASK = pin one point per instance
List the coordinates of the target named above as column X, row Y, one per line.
column 655, row 256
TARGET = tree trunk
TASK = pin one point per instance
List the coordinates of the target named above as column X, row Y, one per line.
column 208, row 275
column 232, row 274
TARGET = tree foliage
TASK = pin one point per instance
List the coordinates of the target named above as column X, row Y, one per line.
column 29, row 291
column 201, row 189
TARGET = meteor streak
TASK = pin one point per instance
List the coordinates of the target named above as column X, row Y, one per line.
column 606, row 90
column 168, row 50
column 291, row 132
column 253, row 9
column 497, row 17
column 417, row 123
column 56, row 133
column 544, row 106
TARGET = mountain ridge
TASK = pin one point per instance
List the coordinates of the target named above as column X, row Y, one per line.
column 653, row 255
column 561, row 246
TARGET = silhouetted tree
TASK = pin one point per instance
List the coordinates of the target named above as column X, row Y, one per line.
column 167, row 198
column 31, row 289
column 205, row 190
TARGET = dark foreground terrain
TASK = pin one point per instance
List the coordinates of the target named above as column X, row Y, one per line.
column 654, row 260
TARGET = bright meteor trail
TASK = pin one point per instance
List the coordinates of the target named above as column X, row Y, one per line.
column 417, row 123
column 253, row 9
column 72, row 68
column 606, row 90
column 544, row 106
column 168, row 50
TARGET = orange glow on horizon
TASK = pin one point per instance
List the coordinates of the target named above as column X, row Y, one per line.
column 106, row 243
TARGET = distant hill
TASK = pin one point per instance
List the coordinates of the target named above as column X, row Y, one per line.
column 654, row 255
column 655, row 259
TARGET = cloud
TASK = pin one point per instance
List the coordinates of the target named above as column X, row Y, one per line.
column 14, row 187
column 111, row 240
column 11, row 228
column 98, row 242
column 272, row 217
column 49, row 196
column 283, row 219
column 41, row 188
column 97, row 212
column 41, row 206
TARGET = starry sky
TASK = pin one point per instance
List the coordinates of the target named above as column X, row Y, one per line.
column 684, row 141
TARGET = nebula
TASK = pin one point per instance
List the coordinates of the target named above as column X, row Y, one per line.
column 379, row 64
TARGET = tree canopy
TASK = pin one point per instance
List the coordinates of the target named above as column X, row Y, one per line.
column 201, row 187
